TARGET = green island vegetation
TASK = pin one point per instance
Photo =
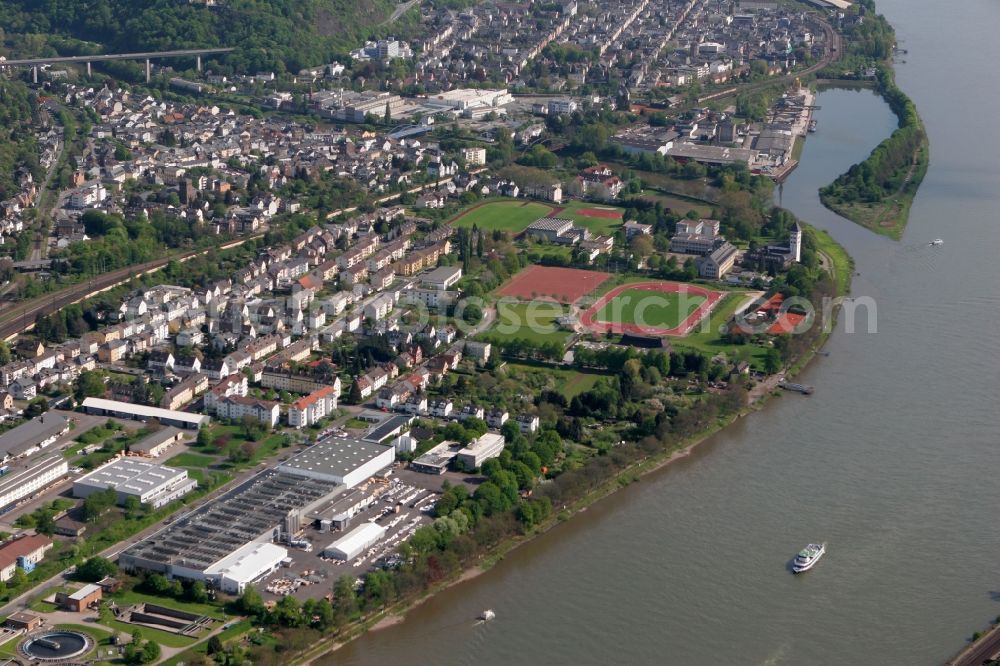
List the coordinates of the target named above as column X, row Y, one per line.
column 877, row 193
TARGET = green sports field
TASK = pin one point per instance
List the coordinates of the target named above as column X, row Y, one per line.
column 596, row 225
column 512, row 216
column 649, row 308
column 535, row 322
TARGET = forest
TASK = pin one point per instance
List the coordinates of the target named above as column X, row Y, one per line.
column 18, row 147
column 271, row 35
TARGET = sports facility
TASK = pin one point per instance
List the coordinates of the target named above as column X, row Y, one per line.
column 513, row 216
column 562, row 285
column 650, row 308
column 536, row 322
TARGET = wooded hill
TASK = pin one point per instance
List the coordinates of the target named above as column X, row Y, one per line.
column 271, row 35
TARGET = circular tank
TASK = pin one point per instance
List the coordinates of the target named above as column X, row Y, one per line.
column 56, row 645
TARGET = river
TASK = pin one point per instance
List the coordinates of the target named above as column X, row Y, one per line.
column 892, row 460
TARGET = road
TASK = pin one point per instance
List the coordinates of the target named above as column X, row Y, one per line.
column 400, row 10
column 980, row 652
column 17, row 318
column 829, row 55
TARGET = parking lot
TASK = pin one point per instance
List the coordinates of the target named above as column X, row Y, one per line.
column 401, row 509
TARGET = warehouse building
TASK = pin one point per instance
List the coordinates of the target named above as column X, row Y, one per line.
column 340, row 460
column 490, row 445
column 268, row 507
column 152, row 484
column 32, row 436
column 355, row 542
column 126, row 410
column 23, row 479
column 157, row 443
column 436, row 460
column 244, row 566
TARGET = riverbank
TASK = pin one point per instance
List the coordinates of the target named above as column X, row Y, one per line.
column 841, row 265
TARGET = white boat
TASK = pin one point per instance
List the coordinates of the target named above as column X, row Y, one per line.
column 487, row 615
column 808, row 557
column 936, row 241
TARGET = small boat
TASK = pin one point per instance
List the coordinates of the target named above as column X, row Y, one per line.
column 487, row 615
column 936, row 241
column 812, row 125
column 808, row 557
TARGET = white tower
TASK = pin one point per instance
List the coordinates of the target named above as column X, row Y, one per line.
column 795, row 243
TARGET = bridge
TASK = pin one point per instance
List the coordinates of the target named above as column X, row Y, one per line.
column 34, row 63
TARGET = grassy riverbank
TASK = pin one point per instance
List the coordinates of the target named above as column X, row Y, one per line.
column 878, row 191
column 842, row 268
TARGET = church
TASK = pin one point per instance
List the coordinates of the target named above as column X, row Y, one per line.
column 776, row 258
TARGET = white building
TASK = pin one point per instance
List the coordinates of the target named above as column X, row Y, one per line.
column 245, row 565
column 490, row 445
column 25, row 479
column 355, row 542
column 341, row 460
column 312, row 408
column 150, row 483
column 235, row 407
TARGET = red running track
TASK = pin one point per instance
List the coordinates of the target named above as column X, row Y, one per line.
column 711, row 300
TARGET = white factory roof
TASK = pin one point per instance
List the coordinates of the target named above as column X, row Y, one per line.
column 359, row 537
column 131, row 476
column 143, row 410
column 246, row 562
column 335, row 456
column 84, row 592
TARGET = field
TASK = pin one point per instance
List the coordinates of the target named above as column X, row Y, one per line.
column 567, row 381
column 600, row 219
column 534, row 321
column 512, row 216
column 651, row 308
column 638, row 306
column 563, row 285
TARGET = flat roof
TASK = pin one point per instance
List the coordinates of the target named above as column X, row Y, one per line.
column 85, row 592
column 439, row 456
column 441, row 274
column 18, row 475
column 360, row 535
column 549, row 224
column 245, row 564
column 132, row 476
column 153, row 440
column 143, row 410
column 486, row 442
column 382, row 431
column 335, row 456
column 223, row 526
column 23, row 438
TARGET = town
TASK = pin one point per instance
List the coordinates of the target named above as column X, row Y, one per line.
column 391, row 319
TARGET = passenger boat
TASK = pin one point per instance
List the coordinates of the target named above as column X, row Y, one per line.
column 936, row 241
column 808, row 557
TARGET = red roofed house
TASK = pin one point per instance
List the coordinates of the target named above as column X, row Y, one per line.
column 24, row 552
column 310, row 409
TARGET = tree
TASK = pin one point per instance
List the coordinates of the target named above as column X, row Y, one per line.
column 37, row 407
column 89, row 385
column 355, row 395
column 214, row 645
column 96, row 568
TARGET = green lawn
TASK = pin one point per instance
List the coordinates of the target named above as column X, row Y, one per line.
column 187, row 459
column 596, row 225
column 568, row 381
column 534, row 321
column 709, row 339
column 511, row 216
column 649, row 308
column 133, row 597
column 164, row 638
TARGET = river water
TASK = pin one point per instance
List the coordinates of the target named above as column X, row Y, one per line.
column 892, row 461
